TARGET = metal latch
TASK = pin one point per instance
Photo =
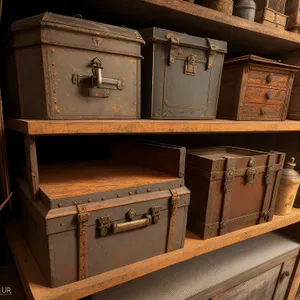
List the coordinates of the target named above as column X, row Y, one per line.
column 251, row 171
column 189, row 67
column 96, row 80
column 172, row 47
column 103, row 225
column 211, row 53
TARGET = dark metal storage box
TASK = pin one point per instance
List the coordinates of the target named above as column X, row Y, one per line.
column 180, row 75
column 92, row 217
column 255, row 88
column 231, row 188
column 261, row 268
column 70, row 68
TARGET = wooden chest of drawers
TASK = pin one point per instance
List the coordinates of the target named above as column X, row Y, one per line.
column 254, row 88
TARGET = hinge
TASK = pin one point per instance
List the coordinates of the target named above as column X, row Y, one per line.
column 83, row 215
column 189, row 67
column 211, row 53
column 172, row 47
column 229, row 176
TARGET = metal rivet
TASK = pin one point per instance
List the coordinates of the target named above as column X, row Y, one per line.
column 54, row 73
column 61, row 224
column 148, row 190
column 136, row 192
column 102, row 198
column 75, row 202
column 82, row 277
column 130, row 193
column 89, row 200
column 118, row 195
column 59, row 205
column 83, row 231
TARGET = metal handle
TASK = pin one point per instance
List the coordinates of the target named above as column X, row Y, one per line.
column 96, row 80
column 269, row 77
column 105, row 225
column 116, row 228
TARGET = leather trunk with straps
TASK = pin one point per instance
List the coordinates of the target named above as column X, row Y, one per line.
column 231, row 188
column 87, row 211
column 181, row 75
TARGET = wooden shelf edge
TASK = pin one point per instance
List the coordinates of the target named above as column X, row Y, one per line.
column 64, row 127
column 34, row 283
column 230, row 21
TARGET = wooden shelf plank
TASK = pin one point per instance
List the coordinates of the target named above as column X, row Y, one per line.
column 241, row 35
column 54, row 127
column 35, row 287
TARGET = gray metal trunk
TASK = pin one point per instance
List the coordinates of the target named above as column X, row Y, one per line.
column 70, row 68
column 180, row 75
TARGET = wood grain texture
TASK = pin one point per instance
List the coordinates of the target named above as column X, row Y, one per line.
column 86, row 177
column 35, row 284
column 37, row 127
column 193, row 19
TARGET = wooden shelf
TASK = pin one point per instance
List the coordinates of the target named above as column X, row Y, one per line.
column 54, row 127
column 35, row 287
column 241, row 35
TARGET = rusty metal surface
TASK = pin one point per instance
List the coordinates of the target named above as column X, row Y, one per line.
column 63, row 83
column 231, row 201
column 83, row 217
column 172, row 225
column 184, row 72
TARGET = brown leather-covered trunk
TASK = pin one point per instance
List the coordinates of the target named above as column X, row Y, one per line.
column 87, row 211
column 69, row 68
column 231, row 188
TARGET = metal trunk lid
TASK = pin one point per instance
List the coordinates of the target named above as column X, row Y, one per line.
column 158, row 35
column 23, row 31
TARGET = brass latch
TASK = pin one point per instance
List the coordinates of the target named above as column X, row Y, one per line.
column 251, row 171
column 96, row 80
column 189, row 67
column 105, row 225
column 173, row 47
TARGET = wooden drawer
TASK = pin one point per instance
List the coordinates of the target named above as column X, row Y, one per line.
column 264, row 112
column 265, row 95
column 266, row 77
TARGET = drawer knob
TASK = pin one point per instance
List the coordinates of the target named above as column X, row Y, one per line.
column 284, row 275
column 268, row 95
column 269, row 78
column 263, row 111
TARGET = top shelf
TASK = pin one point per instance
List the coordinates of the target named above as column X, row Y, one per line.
column 74, row 127
column 241, row 35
